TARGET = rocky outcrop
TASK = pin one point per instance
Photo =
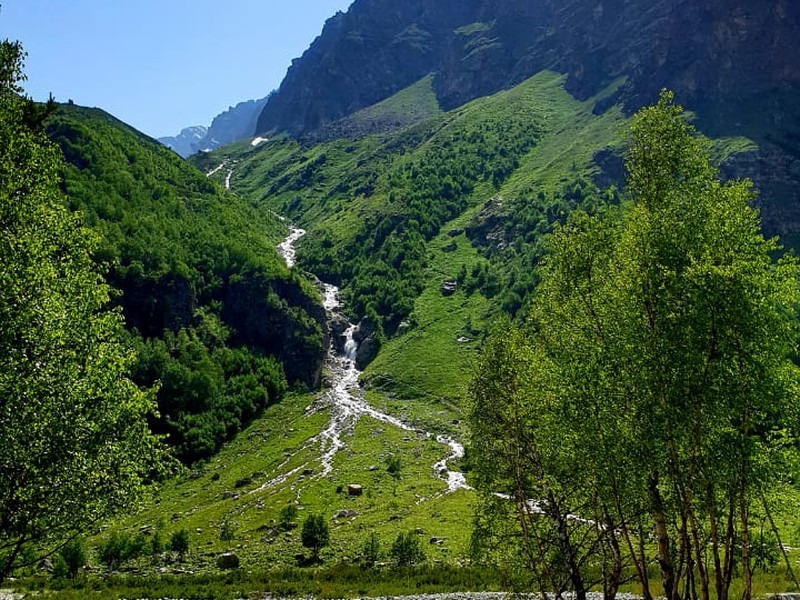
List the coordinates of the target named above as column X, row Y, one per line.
column 367, row 337
column 732, row 61
column 280, row 318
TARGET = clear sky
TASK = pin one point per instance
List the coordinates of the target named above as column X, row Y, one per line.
column 161, row 65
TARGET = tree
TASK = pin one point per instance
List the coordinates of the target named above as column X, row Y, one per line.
column 371, row 550
column 179, row 542
column 652, row 392
column 315, row 534
column 406, row 551
column 74, row 443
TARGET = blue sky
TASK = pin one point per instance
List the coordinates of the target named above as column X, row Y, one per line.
column 161, row 65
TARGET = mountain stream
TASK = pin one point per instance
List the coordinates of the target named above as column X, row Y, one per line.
column 345, row 400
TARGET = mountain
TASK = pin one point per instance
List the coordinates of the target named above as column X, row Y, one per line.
column 723, row 58
column 188, row 141
column 214, row 313
column 236, row 123
column 732, row 62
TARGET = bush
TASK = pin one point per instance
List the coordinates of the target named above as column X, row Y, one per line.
column 119, row 548
column 287, row 516
column 315, row 534
column 179, row 542
column 406, row 550
column 227, row 529
column 372, row 549
column 70, row 559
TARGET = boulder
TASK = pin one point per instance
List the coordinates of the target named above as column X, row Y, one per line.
column 226, row 561
column 355, row 489
column 242, row 482
column 367, row 351
column 448, row 287
column 347, row 513
column 451, row 247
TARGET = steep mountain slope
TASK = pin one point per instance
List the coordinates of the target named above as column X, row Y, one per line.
column 216, row 315
column 732, row 62
column 720, row 56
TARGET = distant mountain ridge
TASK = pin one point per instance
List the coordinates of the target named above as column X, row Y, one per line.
column 236, row 123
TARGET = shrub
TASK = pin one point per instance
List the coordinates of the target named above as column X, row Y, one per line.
column 372, row 549
column 71, row 558
column 406, row 550
column 287, row 516
column 227, row 529
column 315, row 534
column 179, row 542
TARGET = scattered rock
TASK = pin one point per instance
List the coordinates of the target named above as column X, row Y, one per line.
column 347, row 513
column 195, row 475
column 339, row 489
column 46, row 565
column 308, row 472
column 464, row 340
column 198, row 531
column 242, row 482
column 226, row 561
column 449, row 287
column 455, row 232
column 372, row 468
column 227, row 495
column 451, row 247
column 435, row 541
column 354, row 489
column 215, row 477
column 419, row 531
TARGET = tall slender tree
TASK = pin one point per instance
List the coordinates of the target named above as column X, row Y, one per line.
column 654, row 383
column 74, row 443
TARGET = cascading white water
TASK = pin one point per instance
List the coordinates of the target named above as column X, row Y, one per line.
column 344, row 399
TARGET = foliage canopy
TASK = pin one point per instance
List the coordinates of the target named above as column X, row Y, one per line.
column 651, row 394
column 74, row 442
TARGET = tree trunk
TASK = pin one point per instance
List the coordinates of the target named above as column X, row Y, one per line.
column 662, row 537
column 565, row 544
column 747, row 572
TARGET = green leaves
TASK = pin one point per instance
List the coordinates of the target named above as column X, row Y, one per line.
column 74, row 443
column 646, row 390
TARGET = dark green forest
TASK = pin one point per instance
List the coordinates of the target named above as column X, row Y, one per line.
column 215, row 317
